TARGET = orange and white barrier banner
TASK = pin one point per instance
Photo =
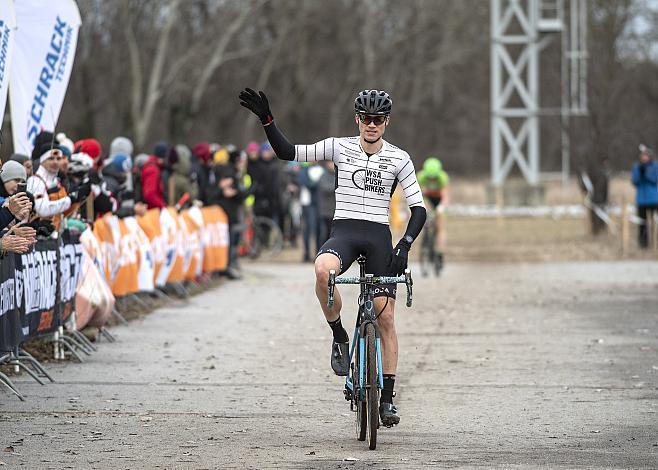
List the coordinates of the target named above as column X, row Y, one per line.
column 150, row 224
column 146, row 267
column 214, row 239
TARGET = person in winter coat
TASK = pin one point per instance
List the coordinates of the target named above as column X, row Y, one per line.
column 121, row 146
column 183, row 180
column 151, row 177
column 12, row 174
column 308, row 178
column 50, row 197
column 644, row 176
column 201, row 168
column 115, row 179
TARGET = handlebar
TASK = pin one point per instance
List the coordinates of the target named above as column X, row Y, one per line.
column 370, row 279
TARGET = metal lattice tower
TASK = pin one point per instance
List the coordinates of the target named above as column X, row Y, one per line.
column 520, row 29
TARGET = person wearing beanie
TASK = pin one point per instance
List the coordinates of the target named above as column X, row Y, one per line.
column 121, row 146
column 23, row 160
column 65, row 143
column 91, row 147
column 50, row 198
column 11, row 174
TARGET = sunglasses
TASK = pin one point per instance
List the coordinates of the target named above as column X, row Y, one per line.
column 366, row 119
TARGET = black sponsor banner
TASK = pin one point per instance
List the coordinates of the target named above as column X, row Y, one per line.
column 11, row 334
column 70, row 261
column 36, row 288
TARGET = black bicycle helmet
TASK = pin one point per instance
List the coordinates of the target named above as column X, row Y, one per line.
column 373, row 102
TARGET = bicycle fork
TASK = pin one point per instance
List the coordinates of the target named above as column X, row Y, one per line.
column 361, row 341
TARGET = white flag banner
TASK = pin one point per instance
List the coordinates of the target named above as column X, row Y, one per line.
column 44, row 49
column 7, row 33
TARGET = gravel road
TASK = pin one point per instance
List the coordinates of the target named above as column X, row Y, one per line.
column 549, row 365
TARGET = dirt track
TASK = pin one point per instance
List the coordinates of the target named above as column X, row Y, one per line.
column 532, row 366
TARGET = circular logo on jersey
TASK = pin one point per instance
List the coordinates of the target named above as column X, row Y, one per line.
column 359, row 178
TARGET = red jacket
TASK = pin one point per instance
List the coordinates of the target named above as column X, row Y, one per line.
column 152, row 186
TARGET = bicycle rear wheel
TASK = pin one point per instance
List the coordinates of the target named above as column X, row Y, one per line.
column 372, row 389
column 426, row 249
column 357, row 396
column 267, row 237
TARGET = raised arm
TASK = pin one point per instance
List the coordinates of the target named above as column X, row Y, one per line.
column 258, row 104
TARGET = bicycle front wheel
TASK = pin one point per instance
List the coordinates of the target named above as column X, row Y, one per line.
column 267, row 237
column 358, row 396
column 372, row 388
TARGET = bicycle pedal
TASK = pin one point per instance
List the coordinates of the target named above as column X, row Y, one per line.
column 348, row 394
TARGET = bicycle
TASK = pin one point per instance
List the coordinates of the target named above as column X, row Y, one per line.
column 365, row 380
column 430, row 259
column 259, row 236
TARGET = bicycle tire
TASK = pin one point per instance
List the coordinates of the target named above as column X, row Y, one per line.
column 426, row 249
column 361, row 410
column 372, row 388
column 267, row 237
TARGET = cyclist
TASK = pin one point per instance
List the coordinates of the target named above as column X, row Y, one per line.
column 367, row 170
column 434, row 181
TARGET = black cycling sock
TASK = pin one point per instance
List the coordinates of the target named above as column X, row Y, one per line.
column 340, row 335
column 389, row 385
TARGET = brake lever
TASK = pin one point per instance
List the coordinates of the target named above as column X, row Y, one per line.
column 409, row 283
column 330, row 288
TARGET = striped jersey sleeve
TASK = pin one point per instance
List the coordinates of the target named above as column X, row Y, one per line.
column 406, row 176
column 327, row 149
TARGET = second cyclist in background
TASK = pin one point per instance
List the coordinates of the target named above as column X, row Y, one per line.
column 434, row 182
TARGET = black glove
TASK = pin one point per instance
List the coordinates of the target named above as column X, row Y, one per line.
column 80, row 193
column 94, row 177
column 257, row 104
column 643, row 168
column 43, row 227
column 400, row 257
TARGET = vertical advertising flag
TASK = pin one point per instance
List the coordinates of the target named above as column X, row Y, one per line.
column 44, row 49
column 7, row 33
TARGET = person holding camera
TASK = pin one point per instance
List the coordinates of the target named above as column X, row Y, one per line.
column 16, row 206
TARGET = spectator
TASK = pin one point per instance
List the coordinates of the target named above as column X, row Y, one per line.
column 290, row 204
column 151, row 178
column 161, row 151
column 231, row 195
column 183, row 180
column 11, row 174
column 308, row 178
column 23, row 160
column 140, row 161
column 265, row 176
column 201, row 167
column 122, row 146
column 644, row 176
column 50, row 197
column 92, row 148
column 326, row 199
column 115, row 178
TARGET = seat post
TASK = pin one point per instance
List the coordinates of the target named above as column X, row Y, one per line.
column 362, row 265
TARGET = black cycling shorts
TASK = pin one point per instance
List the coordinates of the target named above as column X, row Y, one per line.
column 351, row 238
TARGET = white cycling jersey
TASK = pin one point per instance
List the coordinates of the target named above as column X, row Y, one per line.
column 365, row 183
